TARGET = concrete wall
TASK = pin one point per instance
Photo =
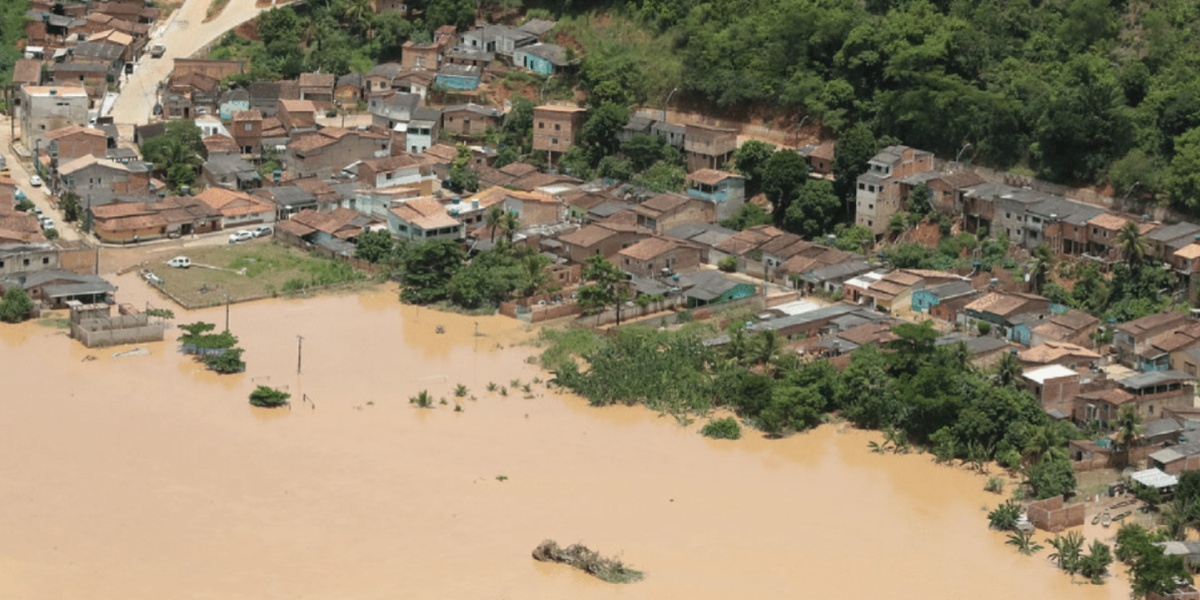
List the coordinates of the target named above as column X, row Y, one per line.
column 217, row 69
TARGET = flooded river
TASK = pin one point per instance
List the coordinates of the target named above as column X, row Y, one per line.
column 145, row 477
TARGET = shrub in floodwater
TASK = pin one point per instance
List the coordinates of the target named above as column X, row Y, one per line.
column 422, row 400
column 442, row 401
column 1004, row 518
column 994, row 485
column 526, row 388
column 516, row 383
column 491, row 386
column 503, row 391
column 502, row 478
column 267, row 397
column 722, row 429
column 458, row 408
column 587, row 560
column 460, row 391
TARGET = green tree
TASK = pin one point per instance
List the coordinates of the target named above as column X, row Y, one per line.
column 460, row 13
column 606, row 286
column 750, row 159
column 493, row 218
column 1068, row 551
column 229, row 361
column 749, row 215
column 1009, row 370
column 854, row 149
column 662, row 176
column 176, row 152
column 375, row 246
column 428, row 269
column 1043, row 259
column 1095, row 564
column 599, row 132
column 783, row 176
column 1023, row 541
column 1183, row 178
column 1052, row 477
column 1132, row 245
column 15, row 305
column 462, row 179
column 69, row 203
column 726, row 428
column 643, row 150
column 267, row 397
column 1129, row 427
column 814, row 210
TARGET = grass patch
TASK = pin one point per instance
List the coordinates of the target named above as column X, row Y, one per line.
column 659, row 63
column 565, row 344
column 214, row 9
column 251, row 270
column 55, row 322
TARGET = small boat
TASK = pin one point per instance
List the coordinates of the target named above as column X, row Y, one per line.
column 1106, row 521
column 1122, row 515
column 1096, row 520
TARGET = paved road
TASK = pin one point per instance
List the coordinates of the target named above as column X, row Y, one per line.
column 38, row 195
column 184, row 34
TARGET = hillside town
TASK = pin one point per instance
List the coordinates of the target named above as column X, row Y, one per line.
column 996, row 263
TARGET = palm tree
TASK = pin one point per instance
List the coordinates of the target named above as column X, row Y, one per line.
column 1068, row 550
column 492, row 218
column 1009, row 370
column 1129, row 427
column 358, row 16
column 768, row 345
column 510, row 223
column 1047, row 442
column 1041, row 268
column 1133, row 247
column 735, row 350
column 1095, row 565
column 534, row 268
column 1023, row 541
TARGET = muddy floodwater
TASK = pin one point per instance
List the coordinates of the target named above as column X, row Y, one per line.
column 146, row 477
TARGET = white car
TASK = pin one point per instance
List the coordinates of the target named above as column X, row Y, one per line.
column 35, row 181
column 180, row 262
column 47, row 224
column 240, row 235
column 262, row 231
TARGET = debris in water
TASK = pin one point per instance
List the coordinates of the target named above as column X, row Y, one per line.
column 587, row 560
column 88, row 358
column 440, row 329
column 134, row 352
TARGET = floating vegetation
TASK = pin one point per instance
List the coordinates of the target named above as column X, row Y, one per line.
column 587, row 560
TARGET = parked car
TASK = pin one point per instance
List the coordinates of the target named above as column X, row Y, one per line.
column 36, row 211
column 20, row 195
column 180, row 262
column 35, row 181
column 47, row 224
column 157, row 50
column 262, row 231
column 240, row 235
column 151, row 278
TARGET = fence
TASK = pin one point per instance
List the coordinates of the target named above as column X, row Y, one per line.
column 114, row 331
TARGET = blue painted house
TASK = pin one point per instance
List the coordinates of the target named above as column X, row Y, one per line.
column 458, row 77
column 543, row 59
column 231, row 102
column 726, row 190
column 924, row 300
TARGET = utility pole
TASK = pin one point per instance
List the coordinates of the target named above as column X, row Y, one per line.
column 226, row 313
column 299, row 352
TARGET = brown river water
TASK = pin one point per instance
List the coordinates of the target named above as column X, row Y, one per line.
column 146, row 477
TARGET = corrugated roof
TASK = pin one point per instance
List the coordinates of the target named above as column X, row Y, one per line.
column 1042, row 374
column 649, row 248
column 711, row 176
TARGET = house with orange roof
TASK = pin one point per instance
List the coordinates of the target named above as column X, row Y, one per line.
column 422, row 219
column 236, row 208
column 1002, row 310
column 1102, row 234
column 664, row 211
column 1072, row 327
column 1076, row 358
column 331, row 149
column 658, row 256
column 600, row 239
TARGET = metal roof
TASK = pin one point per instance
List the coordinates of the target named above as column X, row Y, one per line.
column 1153, row 378
column 1154, row 478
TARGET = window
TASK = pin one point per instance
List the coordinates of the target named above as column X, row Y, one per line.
column 248, row 127
column 553, row 141
column 870, row 207
column 862, row 186
column 541, row 125
column 1, row 264
column 558, row 127
column 26, row 262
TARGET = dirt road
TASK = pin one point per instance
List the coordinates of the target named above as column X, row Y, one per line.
column 184, row 34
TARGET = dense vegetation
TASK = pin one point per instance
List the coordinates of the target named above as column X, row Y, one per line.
column 268, row 397
column 15, row 305
column 218, row 351
column 915, row 391
column 1076, row 90
column 12, row 29
column 176, row 153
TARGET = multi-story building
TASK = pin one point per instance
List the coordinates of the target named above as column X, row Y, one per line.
column 708, row 146
column 556, row 128
column 878, row 196
column 46, row 108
